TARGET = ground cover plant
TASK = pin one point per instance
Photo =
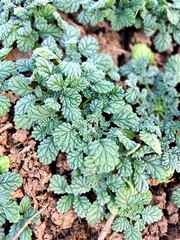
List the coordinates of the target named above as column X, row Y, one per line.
column 119, row 127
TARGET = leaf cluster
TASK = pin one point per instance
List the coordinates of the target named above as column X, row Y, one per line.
column 9, row 209
column 158, row 18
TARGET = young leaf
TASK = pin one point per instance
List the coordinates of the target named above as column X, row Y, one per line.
column 58, row 184
column 151, row 140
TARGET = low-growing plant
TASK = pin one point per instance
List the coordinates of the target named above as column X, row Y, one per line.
column 9, row 181
column 9, row 209
column 25, row 23
column 116, row 138
column 159, row 17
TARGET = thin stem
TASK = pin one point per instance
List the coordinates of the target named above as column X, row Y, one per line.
column 104, row 232
column 29, row 221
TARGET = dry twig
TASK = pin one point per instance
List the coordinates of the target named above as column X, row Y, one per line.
column 106, row 227
column 29, row 221
column 6, row 127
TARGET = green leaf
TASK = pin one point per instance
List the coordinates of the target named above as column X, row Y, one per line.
column 151, row 214
column 39, row 112
column 173, row 16
column 105, row 154
column 55, row 82
column 88, row 46
column 10, row 180
column 25, row 204
column 141, row 181
column 4, row 164
column 6, row 69
column 176, row 197
column 126, row 119
column 75, row 159
column 68, row 6
column 95, row 213
column 46, row 53
column 103, row 198
column 25, row 43
column 154, row 167
column 47, row 151
column 120, row 224
column 173, row 66
column 125, row 167
column 44, row 65
column 19, row 86
column 4, row 52
column 65, row 137
column 79, row 185
column 11, row 210
column 65, row 203
column 132, row 234
column 71, row 70
column 112, row 207
column 124, row 197
column 58, row 184
column 151, row 140
column 4, row 105
column 103, row 86
column 162, row 41
column 81, row 206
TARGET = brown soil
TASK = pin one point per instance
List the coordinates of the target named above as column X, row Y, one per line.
column 21, row 149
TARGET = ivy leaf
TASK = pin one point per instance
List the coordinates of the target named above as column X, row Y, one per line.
column 65, row 203
column 151, row 214
column 151, row 140
column 47, row 151
column 105, row 154
column 58, row 184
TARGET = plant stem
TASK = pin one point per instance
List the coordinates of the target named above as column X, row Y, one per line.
column 29, row 221
column 106, row 227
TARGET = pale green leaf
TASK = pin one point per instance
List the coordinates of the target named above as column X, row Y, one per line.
column 58, row 184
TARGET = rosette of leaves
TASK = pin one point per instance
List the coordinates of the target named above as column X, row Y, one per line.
column 9, row 181
column 25, row 23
